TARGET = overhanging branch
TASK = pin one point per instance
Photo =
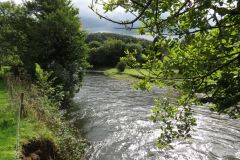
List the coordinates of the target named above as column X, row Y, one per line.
column 123, row 22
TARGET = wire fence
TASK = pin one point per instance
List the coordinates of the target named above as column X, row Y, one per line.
column 17, row 102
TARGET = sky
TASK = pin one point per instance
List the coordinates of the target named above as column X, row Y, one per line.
column 92, row 23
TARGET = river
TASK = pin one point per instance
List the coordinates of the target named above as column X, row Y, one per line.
column 114, row 118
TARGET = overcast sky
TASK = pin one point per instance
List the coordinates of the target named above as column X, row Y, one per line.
column 92, row 23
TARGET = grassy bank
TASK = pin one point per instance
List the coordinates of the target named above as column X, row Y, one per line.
column 7, row 126
column 134, row 75
column 30, row 127
column 42, row 124
column 128, row 74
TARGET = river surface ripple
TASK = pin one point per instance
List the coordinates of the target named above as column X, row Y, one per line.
column 115, row 119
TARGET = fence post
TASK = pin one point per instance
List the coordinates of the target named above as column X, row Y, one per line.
column 19, row 115
column 22, row 105
column 11, row 90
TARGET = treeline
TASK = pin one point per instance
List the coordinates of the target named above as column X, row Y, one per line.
column 105, row 49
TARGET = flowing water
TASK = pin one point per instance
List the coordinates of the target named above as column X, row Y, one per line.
column 115, row 119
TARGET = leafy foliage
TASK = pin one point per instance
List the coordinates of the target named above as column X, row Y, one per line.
column 45, row 83
column 176, row 121
column 55, row 38
column 10, row 38
column 143, row 85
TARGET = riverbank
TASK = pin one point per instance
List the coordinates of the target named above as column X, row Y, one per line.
column 128, row 74
column 43, row 130
column 134, row 75
column 30, row 127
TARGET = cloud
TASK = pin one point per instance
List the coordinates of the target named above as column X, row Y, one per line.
column 92, row 22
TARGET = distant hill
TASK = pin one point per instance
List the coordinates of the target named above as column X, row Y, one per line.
column 100, row 37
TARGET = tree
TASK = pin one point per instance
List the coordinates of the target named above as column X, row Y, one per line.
column 200, row 38
column 10, row 38
column 107, row 54
column 56, row 42
column 134, row 46
column 94, row 44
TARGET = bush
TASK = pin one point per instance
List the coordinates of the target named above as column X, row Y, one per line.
column 121, row 66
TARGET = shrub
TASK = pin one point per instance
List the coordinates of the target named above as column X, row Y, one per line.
column 121, row 66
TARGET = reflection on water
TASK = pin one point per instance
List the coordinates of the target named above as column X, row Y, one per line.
column 115, row 120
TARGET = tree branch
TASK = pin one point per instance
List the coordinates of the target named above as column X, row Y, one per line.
column 137, row 3
column 123, row 22
column 221, row 66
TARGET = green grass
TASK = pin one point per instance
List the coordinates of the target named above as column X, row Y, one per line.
column 128, row 74
column 30, row 128
column 7, row 126
column 134, row 75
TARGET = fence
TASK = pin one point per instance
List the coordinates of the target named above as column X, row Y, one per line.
column 17, row 101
